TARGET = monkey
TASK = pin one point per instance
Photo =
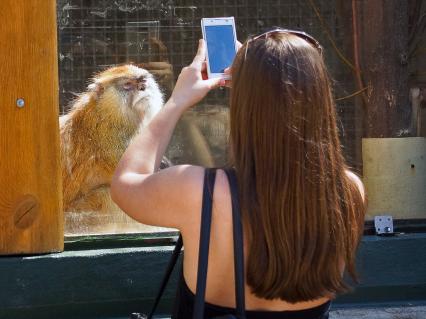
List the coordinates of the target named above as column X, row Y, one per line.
column 97, row 130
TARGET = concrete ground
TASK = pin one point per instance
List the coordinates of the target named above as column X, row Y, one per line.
column 400, row 312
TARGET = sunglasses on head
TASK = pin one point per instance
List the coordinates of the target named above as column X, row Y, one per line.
column 303, row 35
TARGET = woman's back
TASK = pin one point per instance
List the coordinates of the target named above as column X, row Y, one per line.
column 220, row 276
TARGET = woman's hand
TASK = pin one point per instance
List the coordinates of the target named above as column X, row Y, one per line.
column 190, row 87
column 227, row 71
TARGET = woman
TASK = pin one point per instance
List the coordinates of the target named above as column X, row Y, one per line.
column 302, row 209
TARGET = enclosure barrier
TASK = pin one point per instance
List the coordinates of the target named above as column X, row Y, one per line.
column 31, row 219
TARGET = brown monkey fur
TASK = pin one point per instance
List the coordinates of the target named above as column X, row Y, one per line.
column 97, row 130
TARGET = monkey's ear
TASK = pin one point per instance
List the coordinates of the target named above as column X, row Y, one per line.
column 96, row 87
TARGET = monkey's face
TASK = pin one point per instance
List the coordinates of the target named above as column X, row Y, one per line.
column 138, row 89
column 132, row 90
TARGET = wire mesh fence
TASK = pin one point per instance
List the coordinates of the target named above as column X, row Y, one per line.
column 94, row 35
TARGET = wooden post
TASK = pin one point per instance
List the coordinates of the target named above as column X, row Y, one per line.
column 31, row 218
column 383, row 38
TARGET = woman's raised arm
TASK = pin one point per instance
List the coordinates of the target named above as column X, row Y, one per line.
column 155, row 198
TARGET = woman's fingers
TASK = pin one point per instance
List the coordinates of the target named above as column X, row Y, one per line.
column 228, row 82
column 200, row 57
column 239, row 45
column 214, row 83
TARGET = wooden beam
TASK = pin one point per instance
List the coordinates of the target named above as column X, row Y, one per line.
column 31, row 219
column 383, row 35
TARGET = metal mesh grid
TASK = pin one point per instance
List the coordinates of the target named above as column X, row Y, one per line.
column 99, row 33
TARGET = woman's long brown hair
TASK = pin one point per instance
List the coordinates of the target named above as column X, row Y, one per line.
column 302, row 213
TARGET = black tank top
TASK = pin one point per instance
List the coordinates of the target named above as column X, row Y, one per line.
column 184, row 305
column 185, row 298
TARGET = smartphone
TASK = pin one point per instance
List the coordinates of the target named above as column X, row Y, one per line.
column 221, row 41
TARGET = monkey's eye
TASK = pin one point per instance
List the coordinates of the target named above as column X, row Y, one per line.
column 142, row 85
column 128, row 85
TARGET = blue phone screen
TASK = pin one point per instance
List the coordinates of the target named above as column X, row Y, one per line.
column 220, row 46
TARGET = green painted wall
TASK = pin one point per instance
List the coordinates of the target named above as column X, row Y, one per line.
column 114, row 282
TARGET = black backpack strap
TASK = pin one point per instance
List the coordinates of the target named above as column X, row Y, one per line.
column 238, row 244
column 169, row 270
column 203, row 251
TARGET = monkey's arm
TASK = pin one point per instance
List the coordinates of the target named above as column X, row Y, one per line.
column 147, row 148
column 198, row 143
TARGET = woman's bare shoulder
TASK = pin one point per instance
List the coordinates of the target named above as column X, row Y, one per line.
column 165, row 198
column 357, row 181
